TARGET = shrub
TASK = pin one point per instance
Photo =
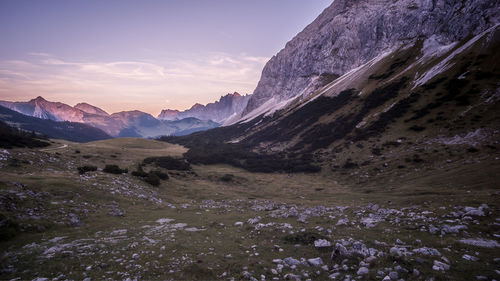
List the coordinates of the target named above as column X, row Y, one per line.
column 227, row 178
column 8, row 228
column 114, row 169
column 168, row 163
column 349, row 164
column 304, row 238
column 139, row 172
column 83, row 169
column 472, row 149
column 417, row 128
column 152, row 179
column 160, row 174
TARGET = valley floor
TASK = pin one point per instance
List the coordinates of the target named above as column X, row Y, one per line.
column 223, row 223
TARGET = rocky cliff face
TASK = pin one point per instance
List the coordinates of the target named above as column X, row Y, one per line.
column 351, row 32
column 218, row 111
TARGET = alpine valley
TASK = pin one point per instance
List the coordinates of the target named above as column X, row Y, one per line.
column 369, row 150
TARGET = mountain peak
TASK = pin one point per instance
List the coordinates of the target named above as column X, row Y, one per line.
column 39, row 99
column 196, row 105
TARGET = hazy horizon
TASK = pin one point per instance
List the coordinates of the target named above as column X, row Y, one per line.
column 126, row 55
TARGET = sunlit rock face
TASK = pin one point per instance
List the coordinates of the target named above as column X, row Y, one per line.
column 349, row 33
column 218, row 111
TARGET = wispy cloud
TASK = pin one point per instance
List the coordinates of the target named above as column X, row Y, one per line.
column 123, row 85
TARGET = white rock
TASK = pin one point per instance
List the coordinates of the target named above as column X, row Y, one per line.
column 315, row 262
column 440, row 266
column 238, row 223
column 363, row 271
column 469, row 257
column 479, row 242
column 320, row 243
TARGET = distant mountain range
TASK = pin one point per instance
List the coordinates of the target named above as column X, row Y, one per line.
column 71, row 131
column 226, row 107
column 130, row 123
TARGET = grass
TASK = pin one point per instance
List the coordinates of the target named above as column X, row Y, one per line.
column 203, row 254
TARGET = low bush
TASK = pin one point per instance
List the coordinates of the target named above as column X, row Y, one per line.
column 114, row 169
column 168, row 163
column 160, row 174
column 83, row 169
column 227, row 178
column 152, row 179
column 304, row 238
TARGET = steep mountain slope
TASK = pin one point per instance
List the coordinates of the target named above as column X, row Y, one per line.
column 350, row 33
column 71, row 131
column 421, row 107
column 219, row 111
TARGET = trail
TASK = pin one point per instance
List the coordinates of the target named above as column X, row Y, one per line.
column 53, row 148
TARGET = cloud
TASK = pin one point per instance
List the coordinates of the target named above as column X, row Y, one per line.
column 147, row 85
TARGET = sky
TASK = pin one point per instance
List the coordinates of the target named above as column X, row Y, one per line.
column 146, row 55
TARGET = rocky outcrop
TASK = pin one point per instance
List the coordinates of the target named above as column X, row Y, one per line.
column 349, row 33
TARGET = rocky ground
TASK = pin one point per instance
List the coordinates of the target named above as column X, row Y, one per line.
column 99, row 226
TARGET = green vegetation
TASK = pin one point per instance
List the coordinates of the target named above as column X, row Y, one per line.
column 114, row 169
column 12, row 137
column 87, row 168
column 169, row 163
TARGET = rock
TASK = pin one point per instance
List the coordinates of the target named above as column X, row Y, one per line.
column 334, row 275
column 315, row 262
column 452, row 229
column 415, row 272
column 397, row 252
column 74, row 220
column 291, row 276
column 291, row 261
column 469, row 258
column 440, row 266
column 342, row 222
column 393, row 275
column 387, row 278
column 135, row 256
column 479, row 242
column 427, row 251
column 321, row 243
column 238, row 223
column 339, row 251
column 363, row 271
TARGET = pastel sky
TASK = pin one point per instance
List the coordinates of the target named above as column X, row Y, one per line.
column 146, row 55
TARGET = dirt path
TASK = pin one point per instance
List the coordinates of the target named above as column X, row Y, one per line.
column 53, row 148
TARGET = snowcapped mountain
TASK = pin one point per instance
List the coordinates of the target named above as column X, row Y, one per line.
column 219, row 111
